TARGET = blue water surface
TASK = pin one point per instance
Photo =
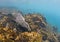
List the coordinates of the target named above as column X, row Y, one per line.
column 49, row 8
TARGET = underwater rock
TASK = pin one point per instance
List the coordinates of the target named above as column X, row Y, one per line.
column 14, row 28
column 8, row 35
column 38, row 23
column 35, row 21
column 31, row 37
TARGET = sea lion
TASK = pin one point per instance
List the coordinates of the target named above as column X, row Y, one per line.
column 18, row 18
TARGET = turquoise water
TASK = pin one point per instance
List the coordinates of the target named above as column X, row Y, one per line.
column 49, row 8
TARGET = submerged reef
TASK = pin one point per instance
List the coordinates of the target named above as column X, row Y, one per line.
column 37, row 30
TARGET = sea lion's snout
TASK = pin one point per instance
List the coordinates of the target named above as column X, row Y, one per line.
column 27, row 26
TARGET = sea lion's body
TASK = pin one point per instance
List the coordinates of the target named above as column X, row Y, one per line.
column 20, row 20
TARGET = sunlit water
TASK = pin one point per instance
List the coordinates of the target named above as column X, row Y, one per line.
column 49, row 8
